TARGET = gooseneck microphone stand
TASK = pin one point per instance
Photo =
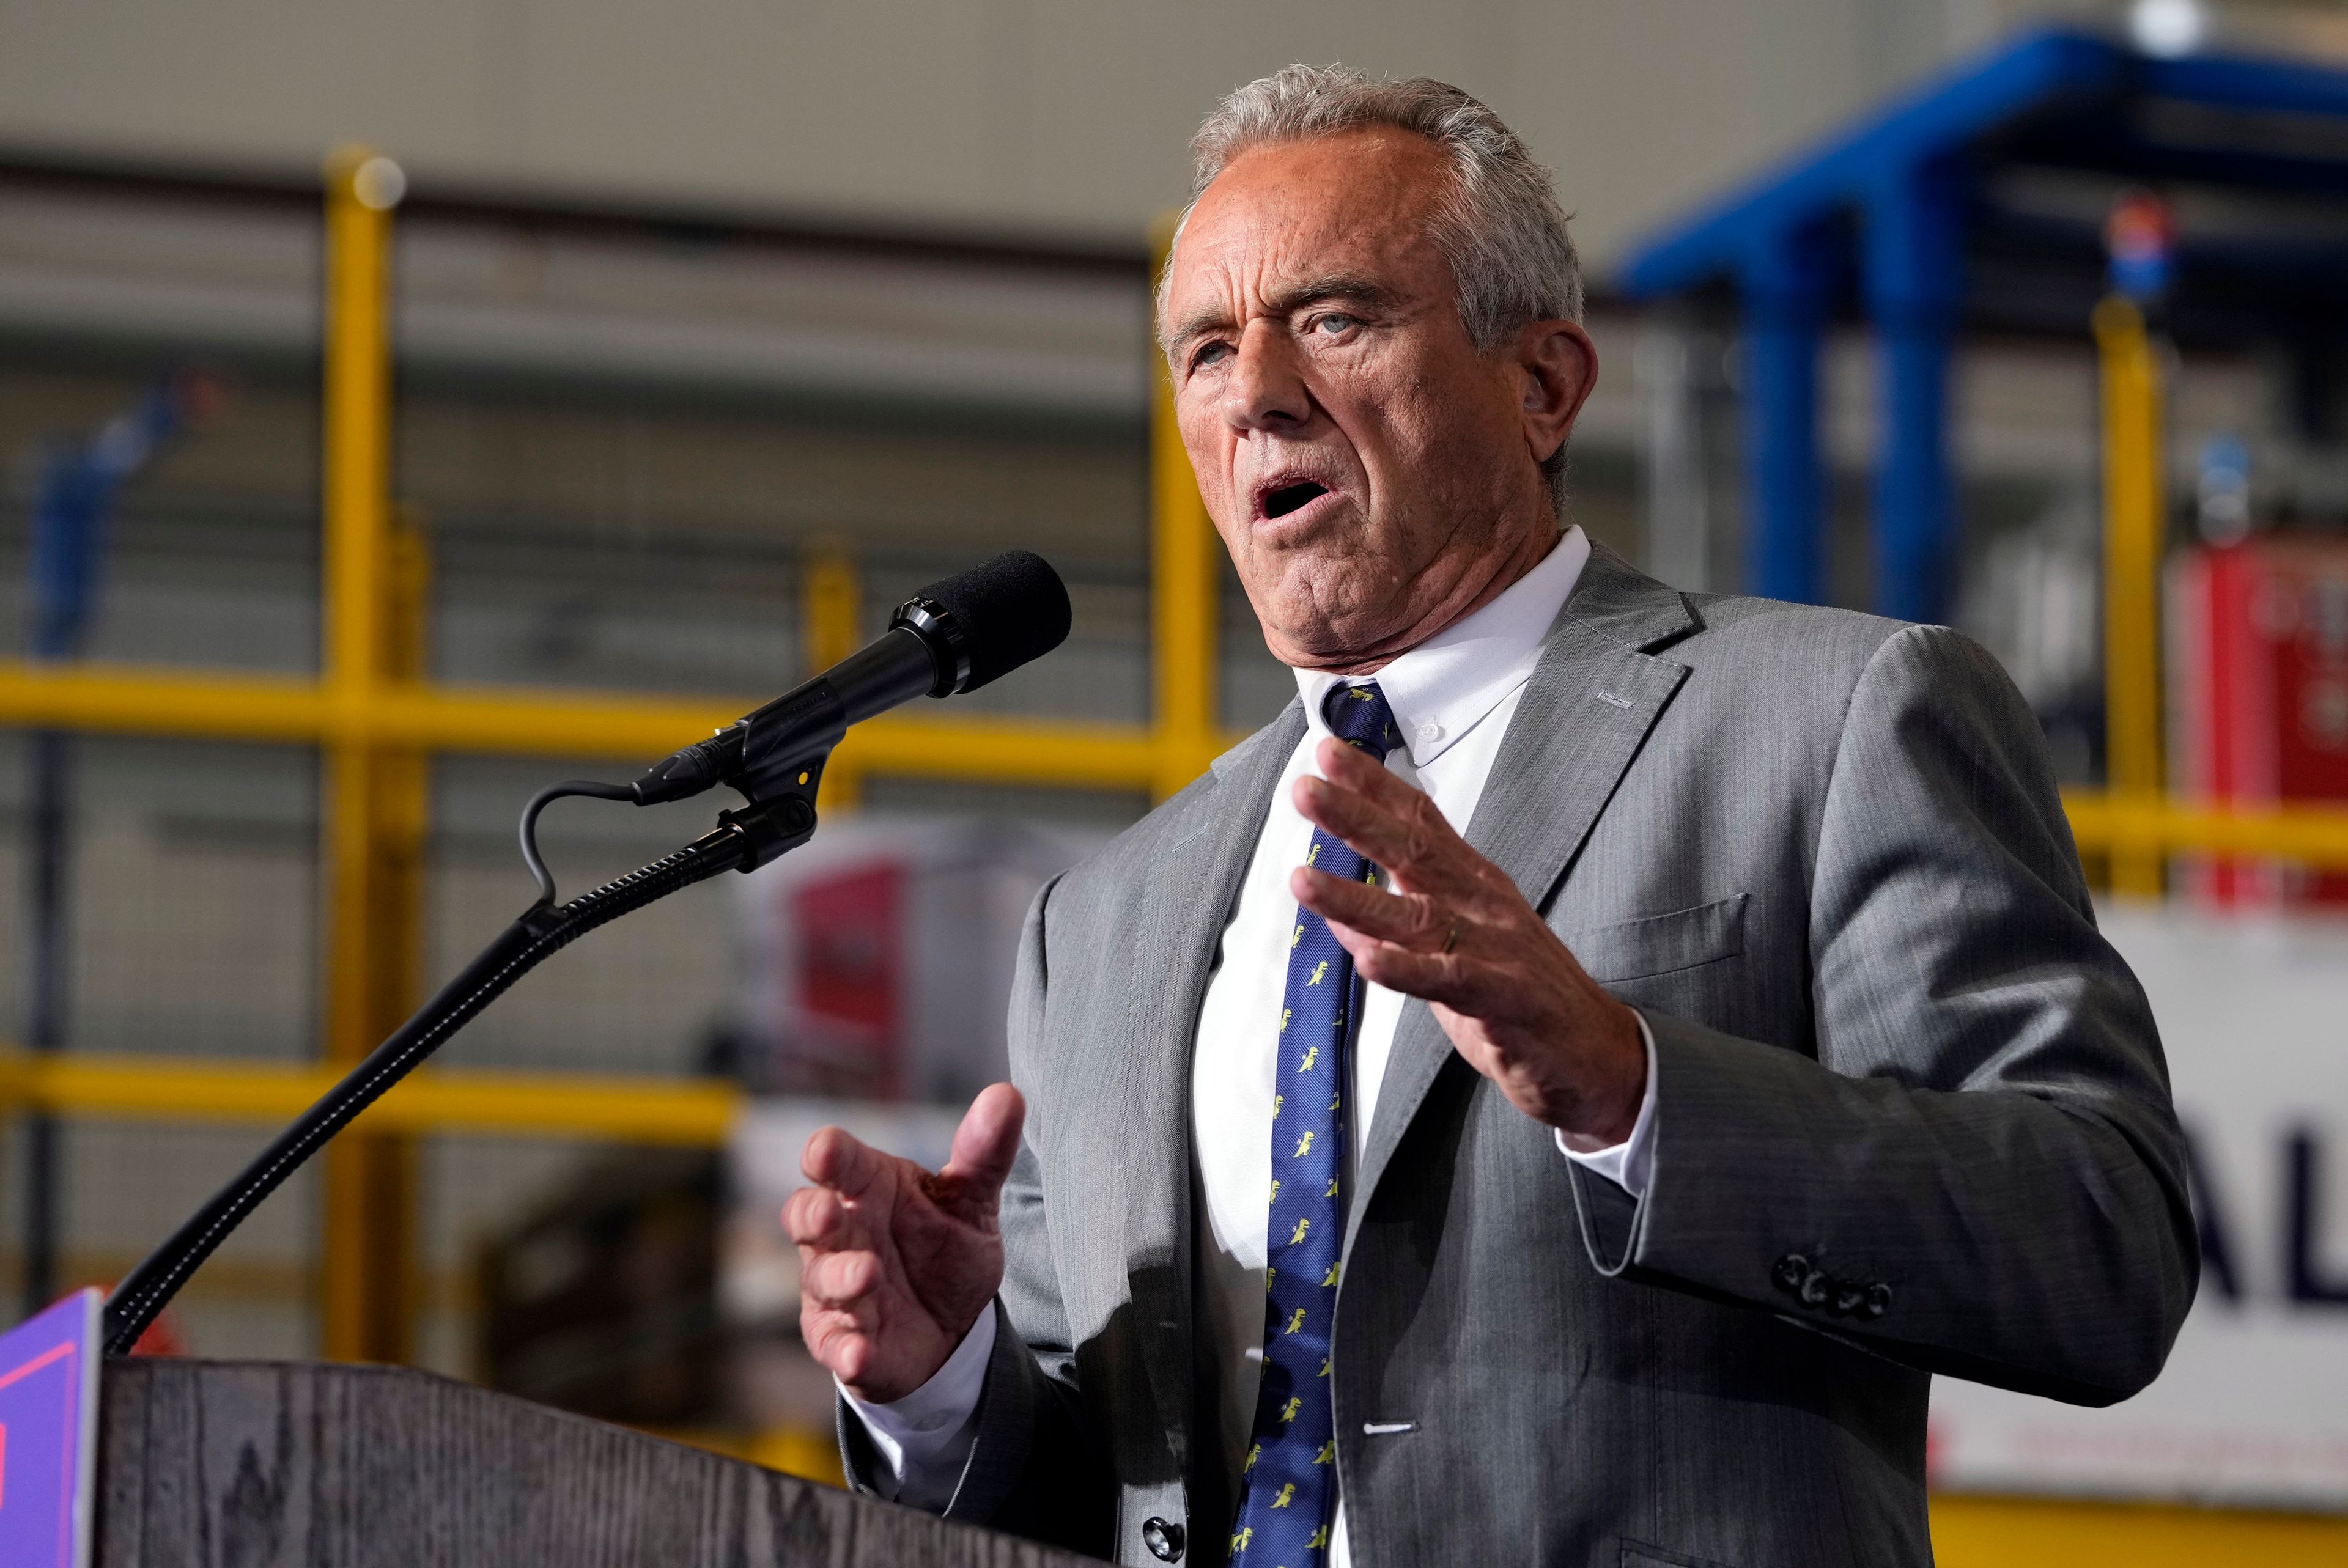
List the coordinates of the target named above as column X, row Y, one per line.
column 954, row 635
column 743, row 840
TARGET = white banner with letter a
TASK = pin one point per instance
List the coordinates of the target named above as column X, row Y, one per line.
column 2253, row 1406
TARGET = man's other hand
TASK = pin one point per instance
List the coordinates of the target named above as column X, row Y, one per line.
column 1456, row 931
column 897, row 1263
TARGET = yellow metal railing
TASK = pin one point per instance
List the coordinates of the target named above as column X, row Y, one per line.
column 377, row 818
column 376, row 719
column 2135, row 823
column 587, row 1107
column 2150, row 827
column 2029, row 1532
column 521, row 721
column 2136, row 519
column 1184, row 563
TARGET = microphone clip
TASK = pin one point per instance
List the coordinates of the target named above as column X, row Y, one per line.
column 773, row 827
column 761, row 756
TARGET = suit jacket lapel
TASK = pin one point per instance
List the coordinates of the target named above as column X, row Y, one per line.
column 1585, row 711
column 1198, row 876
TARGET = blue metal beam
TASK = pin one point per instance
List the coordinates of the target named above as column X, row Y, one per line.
column 1911, row 262
column 2264, row 86
column 1923, row 126
column 1786, row 282
column 2055, row 97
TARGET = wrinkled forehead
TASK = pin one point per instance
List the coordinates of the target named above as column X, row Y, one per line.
column 1355, row 204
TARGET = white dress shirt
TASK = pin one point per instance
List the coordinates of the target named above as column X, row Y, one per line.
column 1452, row 697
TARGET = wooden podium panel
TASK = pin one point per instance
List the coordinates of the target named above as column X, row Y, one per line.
column 216, row 1465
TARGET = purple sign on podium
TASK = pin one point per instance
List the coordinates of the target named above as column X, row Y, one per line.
column 49, row 1435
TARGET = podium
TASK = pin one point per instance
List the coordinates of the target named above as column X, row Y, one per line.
column 264, row 1464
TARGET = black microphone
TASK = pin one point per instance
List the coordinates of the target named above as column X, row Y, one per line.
column 955, row 635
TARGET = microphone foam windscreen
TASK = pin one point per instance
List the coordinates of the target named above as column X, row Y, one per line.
column 1012, row 608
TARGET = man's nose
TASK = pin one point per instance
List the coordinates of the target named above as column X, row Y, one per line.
column 1266, row 391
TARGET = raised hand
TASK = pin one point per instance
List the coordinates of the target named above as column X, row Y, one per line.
column 898, row 1263
column 1457, row 932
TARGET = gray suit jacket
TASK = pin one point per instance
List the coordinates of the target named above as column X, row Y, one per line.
column 1912, row 1117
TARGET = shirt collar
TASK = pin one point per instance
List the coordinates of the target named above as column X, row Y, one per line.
column 1450, row 683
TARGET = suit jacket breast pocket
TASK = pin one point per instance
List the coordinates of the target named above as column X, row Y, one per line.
column 1657, row 944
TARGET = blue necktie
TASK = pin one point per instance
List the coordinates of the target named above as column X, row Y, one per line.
column 1288, row 1486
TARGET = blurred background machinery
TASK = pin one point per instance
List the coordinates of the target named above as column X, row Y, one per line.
column 701, row 337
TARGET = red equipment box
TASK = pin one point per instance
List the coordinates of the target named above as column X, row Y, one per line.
column 877, row 960
column 2259, row 699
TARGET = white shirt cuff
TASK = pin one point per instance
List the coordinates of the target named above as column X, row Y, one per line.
column 1629, row 1163
column 925, row 1439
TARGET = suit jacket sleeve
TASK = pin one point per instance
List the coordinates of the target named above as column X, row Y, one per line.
column 1979, row 1173
column 1037, row 1468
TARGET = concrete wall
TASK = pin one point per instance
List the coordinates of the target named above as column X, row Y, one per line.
column 1055, row 117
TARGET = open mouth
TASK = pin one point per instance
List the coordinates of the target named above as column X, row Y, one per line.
column 1288, row 497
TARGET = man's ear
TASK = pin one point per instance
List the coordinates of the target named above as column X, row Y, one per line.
column 1559, row 365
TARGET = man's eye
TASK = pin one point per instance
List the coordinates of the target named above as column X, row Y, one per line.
column 1335, row 324
column 1208, row 354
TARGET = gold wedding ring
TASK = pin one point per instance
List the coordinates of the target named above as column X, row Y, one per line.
column 1452, row 940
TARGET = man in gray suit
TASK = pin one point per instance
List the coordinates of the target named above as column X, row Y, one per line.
column 1557, row 1093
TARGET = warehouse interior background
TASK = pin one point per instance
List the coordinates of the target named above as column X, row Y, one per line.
column 711, row 329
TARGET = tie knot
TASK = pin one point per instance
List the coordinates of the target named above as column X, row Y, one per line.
column 1359, row 716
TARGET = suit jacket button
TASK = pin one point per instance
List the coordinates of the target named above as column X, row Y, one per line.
column 1815, row 1287
column 1791, row 1270
column 1164, row 1539
column 1878, row 1302
column 1847, row 1299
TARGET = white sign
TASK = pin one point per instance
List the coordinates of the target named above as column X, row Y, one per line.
column 2253, row 1406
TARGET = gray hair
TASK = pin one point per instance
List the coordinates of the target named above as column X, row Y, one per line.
column 1500, row 228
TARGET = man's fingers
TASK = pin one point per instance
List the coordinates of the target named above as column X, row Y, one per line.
column 834, row 1159
column 1352, row 768
column 1432, row 977
column 986, row 1144
column 1370, row 828
column 1379, row 816
column 839, row 1344
column 842, row 1281
column 814, row 1216
column 1356, row 769
column 1411, row 919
